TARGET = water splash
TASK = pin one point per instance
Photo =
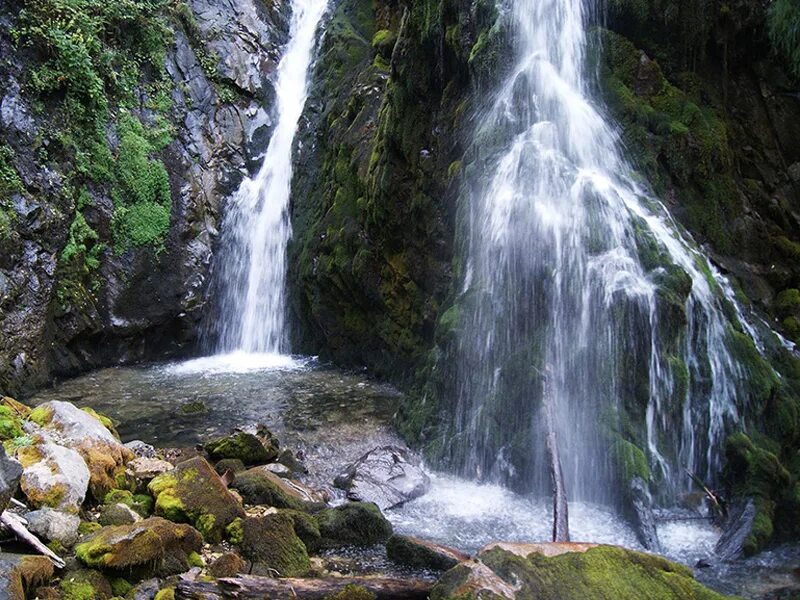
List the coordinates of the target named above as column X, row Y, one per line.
column 256, row 229
column 571, row 265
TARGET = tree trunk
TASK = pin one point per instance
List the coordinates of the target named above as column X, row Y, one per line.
column 560, row 510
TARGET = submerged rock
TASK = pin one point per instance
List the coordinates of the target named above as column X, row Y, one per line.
column 20, row 575
column 151, row 547
column 194, row 493
column 353, row 524
column 53, row 476
column 85, row 432
column 273, row 546
column 54, row 525
column 245, row 446
column 569, row 572
column 10, row 474
column 423, row 554
column 388, row 476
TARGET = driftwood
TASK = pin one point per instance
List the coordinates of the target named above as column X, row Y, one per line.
column 717, row 503
column 560, row 510
column 252, row 587
column 16, row 525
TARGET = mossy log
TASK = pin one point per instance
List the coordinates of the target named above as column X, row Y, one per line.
column 250, row 586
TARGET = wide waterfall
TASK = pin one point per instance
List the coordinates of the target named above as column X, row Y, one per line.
column 251, row 275
column 574, row 272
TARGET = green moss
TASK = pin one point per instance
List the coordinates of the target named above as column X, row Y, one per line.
column 234, row 531
column 631, row 461
column 244, row 446
column 262, row 487
column 77, row 590
column 120, row 587
column 165, row 594
column 195, row 560
column 352, row 592
column 85, row 585
column 41, row 415
column 87, row 527
column 353, row 524
column 271, row 543
column 305, row 527
column 10, row 424
column 206, row 525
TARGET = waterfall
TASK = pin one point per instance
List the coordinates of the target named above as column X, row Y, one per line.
column 256, row 229
column 572, row 266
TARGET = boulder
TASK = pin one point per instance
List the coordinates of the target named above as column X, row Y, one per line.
column 85, row 432
column 85, row 583
column 388, row 476
column 245, row 446
column 152, row 547
column 54, row 525
column 21, row 574
column 53, row 476
column 10, row 474
column 142, row 504
column 422, row 554
column 141, row 449
column 194, row 493
column 261, row 486
column 568, row 572
column 229, row 464
column 736, row 530
column 145, row 469
column 118, row 514
column 271, row 543
column 353, row 524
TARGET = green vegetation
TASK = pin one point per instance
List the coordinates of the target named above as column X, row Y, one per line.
column 9, row 184
column 783, row 26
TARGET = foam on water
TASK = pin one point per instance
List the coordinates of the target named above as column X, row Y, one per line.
column 238, row 362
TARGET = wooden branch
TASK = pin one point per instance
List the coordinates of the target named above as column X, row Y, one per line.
column 255, row 587
column 717, row 503
column 17, row 526
column 560, row 508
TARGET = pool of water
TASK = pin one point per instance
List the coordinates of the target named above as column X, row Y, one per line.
column 331, row 417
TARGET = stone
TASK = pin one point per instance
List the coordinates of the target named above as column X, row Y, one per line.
column 86, row 433
column 261, row 486
column 141, row 449
column 53, row 476
column 145, row 469
column 736, row 530
column 278, row 469
column 54, row 525
column 194, row 493
column 21, row 574
column 118, row 514
column 388, row 476
column 152, row 547
column 422, row 554
column 353, row 524
column 229, row 464
column 85, row 583
column 10, row 474
column 568, row 572
column 271, row 543
column 227, row 565
column 245, row 446
column 642, row 514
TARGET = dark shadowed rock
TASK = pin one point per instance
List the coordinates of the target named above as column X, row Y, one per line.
column 10, row 474
column 737, row 528
column 423, row 554
column 388, row 476
column 642, row 515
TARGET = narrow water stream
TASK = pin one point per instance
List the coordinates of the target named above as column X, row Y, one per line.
column 332, row 417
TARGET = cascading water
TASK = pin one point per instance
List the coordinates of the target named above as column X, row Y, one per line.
column 256, row 228
column 571, row 268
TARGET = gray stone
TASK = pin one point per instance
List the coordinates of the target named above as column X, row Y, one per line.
column 54, row 525
column 10, row 474
column 59, row 479
column 141, row 449
column 118, row 514
column 388, row 476
column 642, row 517
column 148, row 468
column 741, row 516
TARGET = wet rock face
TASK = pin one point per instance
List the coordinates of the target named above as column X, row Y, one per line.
column 147, row 304
column 388, row 476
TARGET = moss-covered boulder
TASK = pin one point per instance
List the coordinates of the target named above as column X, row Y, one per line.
column 85, row 432
column 227, row 565
column 271, row 543
column 422, row 554
column 142, row 504
column 248, row 448
column 229, row 464
column 306, row 527
column 85, row 584
column 569, row 572
column 353, row 524
column 53, row 475
column 153, row 547
column 261, row 486
column 194, row 493
column 20, row 575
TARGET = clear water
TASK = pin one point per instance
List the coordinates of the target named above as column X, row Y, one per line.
column 251, row 270
column 554, row 281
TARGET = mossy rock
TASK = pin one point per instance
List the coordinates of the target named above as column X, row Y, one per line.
column 85, row 584
column 260, row 486
column 244, row 446
column 353, row 524
column 10, row 424
column 229, row 464
column 153, row 547
column 194, row 493
column 141, row 503
column 106, row 421
column 20, row 574
column 165, row 594
column 227, row 565
column 271, row 543
column 352, row 592
column 570, row 572
column 306, row 528
column 422, row 554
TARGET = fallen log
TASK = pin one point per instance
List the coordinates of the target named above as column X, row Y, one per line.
column 16, row 525
column 252, row 587
column 560, row 509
